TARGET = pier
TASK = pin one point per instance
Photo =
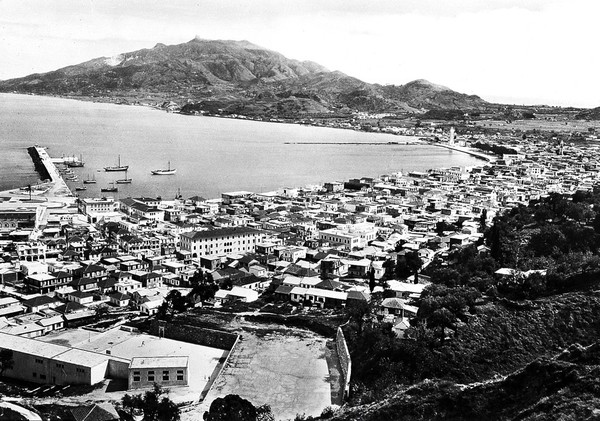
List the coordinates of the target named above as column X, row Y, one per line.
column 57, row 185
column 489, row 158
column 52, row 189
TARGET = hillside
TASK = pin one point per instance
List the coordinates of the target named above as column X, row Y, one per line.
column 502, row 365
column 592, row 114
column 234, row 77
column 565, row 387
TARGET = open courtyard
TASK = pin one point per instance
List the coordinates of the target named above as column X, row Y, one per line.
column 288, row 372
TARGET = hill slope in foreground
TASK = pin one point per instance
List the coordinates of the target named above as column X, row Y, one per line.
column 237, row 75
column 516, row 347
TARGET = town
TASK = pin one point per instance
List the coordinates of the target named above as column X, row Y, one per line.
column 79, row 274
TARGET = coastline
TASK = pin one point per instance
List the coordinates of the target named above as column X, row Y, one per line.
column 462, row 149
column 377, row 169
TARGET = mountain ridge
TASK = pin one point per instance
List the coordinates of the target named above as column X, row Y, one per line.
column 236, row 73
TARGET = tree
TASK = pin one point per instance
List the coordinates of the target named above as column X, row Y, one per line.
column 482, row 220
column 203, row 287
column 414, row 264
column 441, row 318
column 372, row 279
column 390, row 268
column 6, row 360
column 154, row 404
column 231, row 408
column 174, row 302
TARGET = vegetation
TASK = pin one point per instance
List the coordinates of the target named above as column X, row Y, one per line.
column 474, row 323
column 235, row 408
column 154, row 404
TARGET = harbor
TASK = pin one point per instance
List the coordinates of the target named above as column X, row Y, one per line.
column 52, row 188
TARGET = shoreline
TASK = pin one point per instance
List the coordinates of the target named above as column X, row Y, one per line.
column 414, row 139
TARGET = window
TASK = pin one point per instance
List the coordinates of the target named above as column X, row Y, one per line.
column 151, row 375
column 42, row 377
column 39, row 361
column 34, row 375
column 80, row 370
column 165, row 375
column 180, row 375
column 136, row 376
column 60, row 365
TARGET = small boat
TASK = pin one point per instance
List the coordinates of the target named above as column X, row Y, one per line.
column 80, row 188
column 112, row 188
column 124, row 180
column 118, row 167
column 168, row 171
column 90, row 180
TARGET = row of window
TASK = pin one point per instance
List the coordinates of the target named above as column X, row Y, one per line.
column 151, row 377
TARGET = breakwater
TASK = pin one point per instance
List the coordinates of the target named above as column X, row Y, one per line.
column 38, row 163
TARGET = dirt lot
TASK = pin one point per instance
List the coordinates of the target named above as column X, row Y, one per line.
column 293, row 370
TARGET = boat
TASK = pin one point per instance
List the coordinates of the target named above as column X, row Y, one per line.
column 118, row 167
column 90, row 180
column 80, row 188
column 112, row 188
column 76, row 162
column 72, row 178
column 124, row 180
column 168, row 171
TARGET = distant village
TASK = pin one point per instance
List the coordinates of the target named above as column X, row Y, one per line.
column 318, row 247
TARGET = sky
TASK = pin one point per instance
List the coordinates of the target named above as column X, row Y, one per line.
column 509, row 51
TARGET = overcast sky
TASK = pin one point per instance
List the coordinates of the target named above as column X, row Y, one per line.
column 516, row 51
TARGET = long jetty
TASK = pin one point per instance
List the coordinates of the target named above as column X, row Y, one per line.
column 476, row 154
column 57, row 185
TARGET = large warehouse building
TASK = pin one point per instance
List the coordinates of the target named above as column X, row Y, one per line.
column 40, row 362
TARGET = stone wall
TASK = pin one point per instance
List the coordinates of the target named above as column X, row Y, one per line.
column 344, row 357
column 194, row 334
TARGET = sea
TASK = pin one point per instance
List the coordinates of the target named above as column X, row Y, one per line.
column 212, row 155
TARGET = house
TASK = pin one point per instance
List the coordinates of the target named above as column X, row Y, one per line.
column 359, row 268
column 42, row 302
column 119, row 299
column 398, row 308
column 81, row 297
column 245, row 295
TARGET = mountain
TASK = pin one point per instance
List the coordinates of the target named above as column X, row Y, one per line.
column 235, row 77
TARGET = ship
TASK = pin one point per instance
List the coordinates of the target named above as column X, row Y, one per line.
column 168, row 171
column 90, row 180
column 124, row 180
column 80, row 188
column 111, row 188
column 118, row 167
column 75, row 162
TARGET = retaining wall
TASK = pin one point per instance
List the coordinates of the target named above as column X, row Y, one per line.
column 344, row 357
column 195, row 335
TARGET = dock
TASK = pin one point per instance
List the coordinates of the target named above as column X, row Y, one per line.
column 58, row 186
column 52, row 189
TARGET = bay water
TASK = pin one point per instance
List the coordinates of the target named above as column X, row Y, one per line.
column 211, row 155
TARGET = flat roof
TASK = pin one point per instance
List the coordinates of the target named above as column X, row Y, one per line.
column 158, row 362
column 84, row 358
